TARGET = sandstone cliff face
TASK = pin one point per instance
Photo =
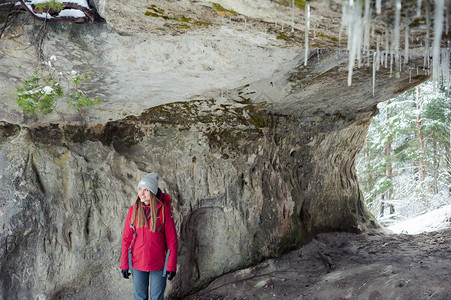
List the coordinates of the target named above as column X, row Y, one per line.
column 260, row 161
column 246, row 185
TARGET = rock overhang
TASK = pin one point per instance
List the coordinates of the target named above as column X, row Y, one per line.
column 151, row 60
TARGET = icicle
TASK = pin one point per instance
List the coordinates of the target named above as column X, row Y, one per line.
column 406, row 44
column 378, row 6
column 354, row 29
column 275, row 22
column 391, row 61
column 438, row 27
column 447, row 20
column 344, row 19
column 445, row 68
column 387, row 50
column 360, row 39
column 282, row 27
column 375, row 64
column 397, row 21
column 349, row 18
column 418, row 8
column 410, row 75
column 426, row 41
column 307, row 28
column 367, row 23
column 292, row 15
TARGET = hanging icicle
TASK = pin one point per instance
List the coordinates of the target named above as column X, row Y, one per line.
column 361, row 45
column 427, row 37
column 447, row 20
column 367, row 23
column 381, row 54
column 344, row 21
column 378, row 6
column 375, row 65
column 292, row 15
column 387, row 50
column 438, row 27
column 406, row 43
column 445, row 68
column 307, row 28
column 418, row 8
column 353, row 23
column 396, row 30
column 376, row 62
column 391, row 57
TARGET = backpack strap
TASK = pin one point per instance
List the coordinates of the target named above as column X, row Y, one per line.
column 130, row 260
column 166, row 200
column 134, row 236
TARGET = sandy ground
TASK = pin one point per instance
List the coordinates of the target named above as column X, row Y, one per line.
column 372, row 265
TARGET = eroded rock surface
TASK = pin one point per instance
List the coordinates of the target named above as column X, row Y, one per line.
column 256, row 149
column 246, row 184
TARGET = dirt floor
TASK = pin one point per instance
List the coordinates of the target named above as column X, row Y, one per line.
column 372, row 265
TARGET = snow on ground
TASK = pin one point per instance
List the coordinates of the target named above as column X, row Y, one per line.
column 430, row 221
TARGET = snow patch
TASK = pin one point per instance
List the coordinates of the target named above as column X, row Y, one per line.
column 430, row 221
column 47, row 90
column 74, row 13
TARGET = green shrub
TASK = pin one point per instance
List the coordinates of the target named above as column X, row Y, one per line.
column 51, row 5
column 77, row 98
column 38, row 95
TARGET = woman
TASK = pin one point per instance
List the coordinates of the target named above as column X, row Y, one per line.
column 149, row 242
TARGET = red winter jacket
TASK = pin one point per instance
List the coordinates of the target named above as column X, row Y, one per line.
column 149, row 248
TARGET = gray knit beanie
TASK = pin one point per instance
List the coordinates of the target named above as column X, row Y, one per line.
column 150, row 181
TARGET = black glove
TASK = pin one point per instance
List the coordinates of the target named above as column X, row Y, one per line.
column 125, row 273
column 171, row 275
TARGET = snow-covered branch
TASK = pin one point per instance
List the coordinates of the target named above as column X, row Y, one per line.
column 77, row 11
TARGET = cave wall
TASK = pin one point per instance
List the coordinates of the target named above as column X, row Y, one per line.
column 246, row 185
column 255, row 171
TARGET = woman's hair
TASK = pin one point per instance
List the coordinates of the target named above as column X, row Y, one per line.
column 138, row 217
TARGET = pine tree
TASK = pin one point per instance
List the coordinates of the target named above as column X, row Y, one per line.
column 405, row 163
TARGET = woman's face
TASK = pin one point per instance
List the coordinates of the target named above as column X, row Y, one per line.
column 144, row 195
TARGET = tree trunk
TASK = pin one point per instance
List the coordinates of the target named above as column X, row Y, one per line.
column 435, row 170
column 368, row 166
column 389, row 164
column 420, row 137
